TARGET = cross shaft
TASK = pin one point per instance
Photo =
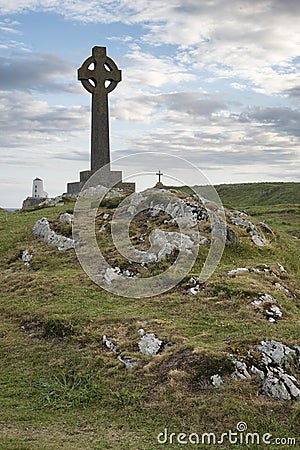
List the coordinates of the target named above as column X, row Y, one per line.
column 99, row 75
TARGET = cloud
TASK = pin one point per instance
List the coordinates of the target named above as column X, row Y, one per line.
column 27, row 122
column 36, row 72
column 9, row 26
column 256, row 41
column 282, row 120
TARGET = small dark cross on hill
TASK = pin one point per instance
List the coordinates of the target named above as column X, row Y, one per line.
column 159, row 173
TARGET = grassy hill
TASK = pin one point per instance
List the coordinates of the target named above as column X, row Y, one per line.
column 259, row 194
column 62, row 388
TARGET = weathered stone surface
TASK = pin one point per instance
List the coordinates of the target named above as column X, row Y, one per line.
column 66, row 217
column 258, row 240
column 241, row 370
column 232, row 238
column 110, row 345
column 99, row 75
column 238, row 271
column 216, row 381
column 280, row 385
column 276, row 353
column 42, row 230
column 26, row 257
column 149, row 344
column 239, row 219
column 164, row 242
column 113, row 273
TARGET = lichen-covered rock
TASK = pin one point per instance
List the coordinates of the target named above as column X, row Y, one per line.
column 26, row 257
column 278, row 354
column 149, row 344
column 278, row 359
column 66, row 217
column 241, row 370
column 216, row 381
column 164, row 242
column 42, row 230
column 232, row 238
column 280, row 385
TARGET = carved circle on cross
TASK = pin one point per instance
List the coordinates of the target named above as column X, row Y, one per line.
column 104, row 69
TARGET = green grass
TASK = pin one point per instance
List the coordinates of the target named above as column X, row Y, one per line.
column 61, row 388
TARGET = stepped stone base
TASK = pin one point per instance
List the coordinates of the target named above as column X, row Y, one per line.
column 108, row 178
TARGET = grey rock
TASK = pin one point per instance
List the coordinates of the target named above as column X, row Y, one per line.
column 164, row 242
column 282, row 288
column 258, row 372
column 66, row 217
column 26, row 258
column 232, row 238
column 258, row 240
column 274, row 313
column 275, row 388
column 110, row 345
column 128, row 362
column 216, row 381
column 281, row 268
column 237, row 271
column 241, row 370
column 281, row 385
column 149, row 344
column 42, row 230
column 277, row 354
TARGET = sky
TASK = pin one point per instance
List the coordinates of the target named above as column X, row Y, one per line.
column 214, row 82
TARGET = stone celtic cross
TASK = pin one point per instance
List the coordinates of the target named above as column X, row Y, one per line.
column 99, row 75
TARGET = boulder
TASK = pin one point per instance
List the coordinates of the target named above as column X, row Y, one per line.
column 42, row 230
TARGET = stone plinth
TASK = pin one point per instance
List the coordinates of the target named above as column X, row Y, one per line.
column 109, row 178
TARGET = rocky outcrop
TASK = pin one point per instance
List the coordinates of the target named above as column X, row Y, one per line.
column 42, row 230
column 274, row 368
column 240, row 219
column 278, row 359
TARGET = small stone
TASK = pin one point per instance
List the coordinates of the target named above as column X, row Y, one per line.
column 258, row 239
column 238, row 270
column 149, row 344
column 26, row 257
column 66, row 217
column 194, row 290
column 216, row 381
column 282, row 288
column 281, row 268
column 241, row 370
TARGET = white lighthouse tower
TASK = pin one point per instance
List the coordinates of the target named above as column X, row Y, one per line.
column 38, row 189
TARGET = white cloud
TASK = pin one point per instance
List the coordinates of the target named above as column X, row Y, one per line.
column 257, row 41
column 27, row 122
